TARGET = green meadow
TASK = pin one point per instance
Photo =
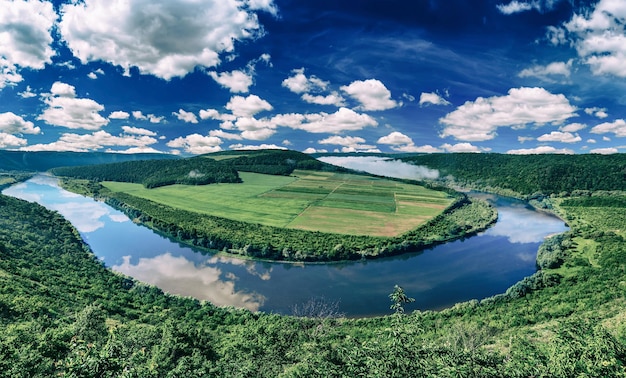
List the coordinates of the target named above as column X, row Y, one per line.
column 308, row 200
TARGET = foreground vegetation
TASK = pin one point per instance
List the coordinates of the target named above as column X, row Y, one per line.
column 63, row 314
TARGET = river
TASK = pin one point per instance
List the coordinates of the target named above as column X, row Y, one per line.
column 475, row 268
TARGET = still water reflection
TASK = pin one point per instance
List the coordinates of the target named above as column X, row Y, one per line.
column 475, row 268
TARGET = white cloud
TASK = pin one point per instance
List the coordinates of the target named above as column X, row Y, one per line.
column 383, row 166
column 260, row 134
column 599, row 37
column 604, row 151
column 9, row 141
column 197, row 144
column 425, row 149
column 462, row 147
column 119, row 115
column 151, row 36
column 300, row 83
column 65, row 110
column 617, row 127
column 27, row 93
column 311, row 150
column 432, row 98
column 353, row 143
column 247, row 106
column 572, row 127
column 137, row 114
column 138, row 131
column 333, row 98
column 224, row 135
column 342, row 120
column 395, row 138
column 372, row 94
column 593, row 141
column 597, row 112
column 185, row 116
column 137, row 150
column 92, row 142
column 240, row 146
column 514, row 7
column 558, row 136
column 552, row 69
column 25, row 39
column 523, row 139
column 11, row 123
column 478, row 120
column 236, row 81
column 540, row 150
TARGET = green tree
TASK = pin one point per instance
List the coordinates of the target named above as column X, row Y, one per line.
column 399, row 298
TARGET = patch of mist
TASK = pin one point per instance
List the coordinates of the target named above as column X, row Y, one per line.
column 383, row 167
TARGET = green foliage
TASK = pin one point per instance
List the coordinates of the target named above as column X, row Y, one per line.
column 530, row 174
column 45, row 160
column 155, row 173
column 399, row 299
column 64, row 314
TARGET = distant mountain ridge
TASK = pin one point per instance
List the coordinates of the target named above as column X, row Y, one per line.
column 44, row 160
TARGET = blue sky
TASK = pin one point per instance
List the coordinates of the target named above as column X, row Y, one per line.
column 199, row 76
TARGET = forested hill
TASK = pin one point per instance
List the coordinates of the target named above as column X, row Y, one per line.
column 272, row 162
column 155, row 173
column 199, row 170
column 45, row 160
column 530, row 174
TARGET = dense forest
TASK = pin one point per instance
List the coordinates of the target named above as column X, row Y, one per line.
column 45, row 160
column 527, row 175
column 62, row 313
column 155, row 173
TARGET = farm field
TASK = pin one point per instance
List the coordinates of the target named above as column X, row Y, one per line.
column 308, row 200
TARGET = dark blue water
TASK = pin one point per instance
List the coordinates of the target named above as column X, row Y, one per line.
column 475, row 268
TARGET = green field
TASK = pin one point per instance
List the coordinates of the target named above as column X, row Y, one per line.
column 308, row 200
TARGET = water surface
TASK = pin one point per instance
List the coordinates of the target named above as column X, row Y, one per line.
column 475, row 268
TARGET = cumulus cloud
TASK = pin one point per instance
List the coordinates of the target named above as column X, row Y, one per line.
column 65, row 110
column 403, row 143
column 312, row 89
column 311, row 150
column 94, row 74
column 350, row 144
column 334, row 98
column 25, row 37
column 92, row 142
column 224, row 135
column 299, row 83
column 137, row 114
column 462, row 147
column 185, row 116
column 478, row 120
column 514, row 7
column 604, row 151
column 372, row 94
column 197, row 144
column 546, row 72
column 240, row 146
column 600, row 37
column 247, row 106
column 597, row 112
column 10, row 141
column 138, row 131
column 151, row 36
column 540, row 150
column 558, row 136
column 236, row 81
column 342, row 120
column 617, row 127
column 27, row 93
column 432, row 98
column 119, row 115
column 11, row 123
column 572, row 127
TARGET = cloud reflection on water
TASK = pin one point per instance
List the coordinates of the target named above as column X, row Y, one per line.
column 512, row 220
column 177, row 275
